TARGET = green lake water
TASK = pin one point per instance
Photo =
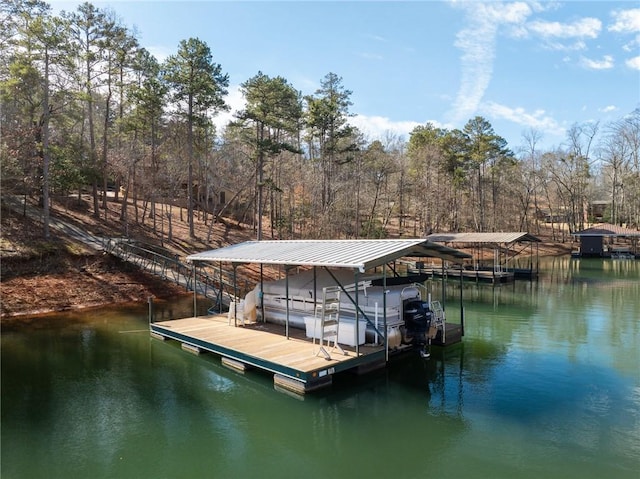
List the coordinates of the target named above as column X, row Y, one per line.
column 546, row 384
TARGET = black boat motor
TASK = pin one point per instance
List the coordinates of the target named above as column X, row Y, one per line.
column 417, row 320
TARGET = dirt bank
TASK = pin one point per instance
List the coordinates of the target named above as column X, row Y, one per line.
column 46, row 276
column 79, row 281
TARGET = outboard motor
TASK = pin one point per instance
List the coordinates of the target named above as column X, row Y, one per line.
column 417, row 320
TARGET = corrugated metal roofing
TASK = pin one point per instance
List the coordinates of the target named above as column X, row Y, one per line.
column 361, row 254
column 606, row 229
column 482, row 237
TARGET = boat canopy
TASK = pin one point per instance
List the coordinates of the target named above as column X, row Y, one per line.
column 361, row 254
column 506, row 238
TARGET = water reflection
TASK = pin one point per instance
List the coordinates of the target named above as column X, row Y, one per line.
column 545, row 384
column 587, row 309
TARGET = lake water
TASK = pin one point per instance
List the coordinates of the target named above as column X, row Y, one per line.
column 545, row 385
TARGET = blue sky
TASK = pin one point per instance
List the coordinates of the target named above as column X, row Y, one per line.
column 521, row 65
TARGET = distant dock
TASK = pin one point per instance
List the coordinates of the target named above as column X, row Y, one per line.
column 477, row 275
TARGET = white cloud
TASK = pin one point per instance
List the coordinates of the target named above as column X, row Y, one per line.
column 516, row 12
column 605, row 64
column 236, row 102
column 608, row 108
column 626, row 21
column 478, row 43
column 538, row 120
column 160, row 53
column 376, row 127
column 583, row 28
column 633, row 63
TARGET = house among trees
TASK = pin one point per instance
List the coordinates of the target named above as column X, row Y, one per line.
column 598, row 209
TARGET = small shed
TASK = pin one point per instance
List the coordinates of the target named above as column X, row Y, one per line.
column 592, row 241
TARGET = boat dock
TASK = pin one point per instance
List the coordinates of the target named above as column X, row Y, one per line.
column 477, row 275
column 508, row 249
column 313, row 324
column 295, row 361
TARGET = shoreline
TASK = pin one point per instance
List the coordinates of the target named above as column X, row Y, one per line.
column 80, row 282
column 43, row 277
column 106, row 282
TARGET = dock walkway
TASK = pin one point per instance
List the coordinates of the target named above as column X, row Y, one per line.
column 168, row 268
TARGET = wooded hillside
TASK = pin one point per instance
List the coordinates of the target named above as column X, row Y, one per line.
column 86, row 109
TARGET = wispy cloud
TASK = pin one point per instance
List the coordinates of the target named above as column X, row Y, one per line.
column 377, row 38
column 605, row 64
column 478, row 43
column 582, row 28
column 370, row 56
column 578, row 45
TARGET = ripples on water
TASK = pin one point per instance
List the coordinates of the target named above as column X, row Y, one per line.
column 546, row 384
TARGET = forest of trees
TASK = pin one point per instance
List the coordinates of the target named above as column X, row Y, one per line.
column 86, row 109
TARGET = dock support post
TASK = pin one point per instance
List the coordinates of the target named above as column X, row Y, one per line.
column 461, row 308
column 286, row 294
column 443, row 286
column 261, row 294
column 384, row 309
column 150, row 301
column 235, row 295
column 356, row 278
column 195, row 306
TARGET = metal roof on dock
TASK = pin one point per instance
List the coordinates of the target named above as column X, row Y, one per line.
column 507, row 238
column 607, row 229
column 360, row 254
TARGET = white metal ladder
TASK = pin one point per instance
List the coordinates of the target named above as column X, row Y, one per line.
column 438, row 318
column 329, row 314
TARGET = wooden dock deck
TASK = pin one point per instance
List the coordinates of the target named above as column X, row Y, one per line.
column 295, row 361
column 472, row 275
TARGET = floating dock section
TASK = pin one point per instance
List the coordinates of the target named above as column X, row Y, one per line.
column 295, row 362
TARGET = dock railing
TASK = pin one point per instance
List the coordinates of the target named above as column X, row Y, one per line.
column 216, row 287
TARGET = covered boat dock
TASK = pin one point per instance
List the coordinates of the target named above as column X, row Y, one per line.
column 513, row 256
column 301, row 364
